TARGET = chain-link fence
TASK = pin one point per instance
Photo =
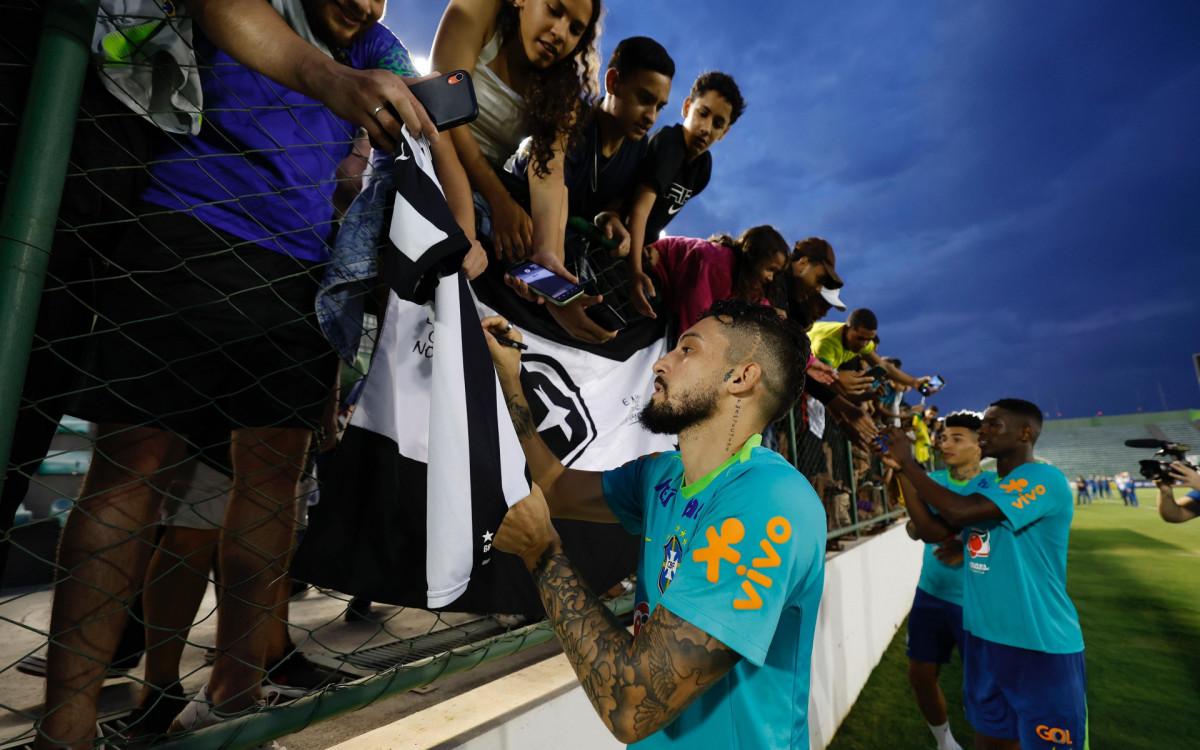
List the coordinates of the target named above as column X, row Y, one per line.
column 154, row 312
column 161, row 320
column 852, row 482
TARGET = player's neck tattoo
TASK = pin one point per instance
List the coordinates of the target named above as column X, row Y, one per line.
column 963, row 473
column 737, row 414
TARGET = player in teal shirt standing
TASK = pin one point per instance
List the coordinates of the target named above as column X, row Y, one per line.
column 732, row 564
column 935, row 624
column 1023, row 666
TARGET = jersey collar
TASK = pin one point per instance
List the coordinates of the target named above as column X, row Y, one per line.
column 743, row 455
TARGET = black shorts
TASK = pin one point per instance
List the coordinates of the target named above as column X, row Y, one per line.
column 197, row 327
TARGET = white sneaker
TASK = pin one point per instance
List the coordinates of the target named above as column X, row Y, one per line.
column 199, row 713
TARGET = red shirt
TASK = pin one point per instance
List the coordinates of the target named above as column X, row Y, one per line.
column 692, row 274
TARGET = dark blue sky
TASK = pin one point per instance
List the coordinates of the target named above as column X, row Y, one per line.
column 1013, row 187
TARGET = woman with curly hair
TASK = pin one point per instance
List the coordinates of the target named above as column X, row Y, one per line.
column 694, row 273
column 534, row 67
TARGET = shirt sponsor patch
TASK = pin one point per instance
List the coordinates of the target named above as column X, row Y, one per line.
column 979, row 547
column 721, row 547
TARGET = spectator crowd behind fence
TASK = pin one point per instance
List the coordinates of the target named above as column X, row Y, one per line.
column 223, row 239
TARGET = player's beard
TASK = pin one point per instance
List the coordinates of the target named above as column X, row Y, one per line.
column 665, row 418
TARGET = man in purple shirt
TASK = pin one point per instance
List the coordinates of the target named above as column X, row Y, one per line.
column 207, row 320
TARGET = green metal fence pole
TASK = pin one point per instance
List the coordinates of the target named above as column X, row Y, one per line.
column 853, row 487
column 34, row 192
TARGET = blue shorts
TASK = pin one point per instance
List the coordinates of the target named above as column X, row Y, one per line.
column 935, row 627
column 1017, row 694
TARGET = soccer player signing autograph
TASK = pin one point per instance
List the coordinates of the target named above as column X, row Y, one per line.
column 732, row 563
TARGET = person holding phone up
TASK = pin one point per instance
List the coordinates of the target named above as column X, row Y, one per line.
column 837, row 343
column 525, row 58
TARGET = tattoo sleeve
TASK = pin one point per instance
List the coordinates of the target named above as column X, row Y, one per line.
column 522, row 419
column 637, row 685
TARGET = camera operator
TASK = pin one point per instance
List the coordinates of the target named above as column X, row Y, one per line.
column 1178, row 511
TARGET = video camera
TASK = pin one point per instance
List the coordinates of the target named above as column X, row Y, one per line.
column 1160, row 470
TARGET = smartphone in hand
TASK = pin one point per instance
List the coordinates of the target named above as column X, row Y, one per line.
column 546, row 283
column 935, row 384
column 448, row 99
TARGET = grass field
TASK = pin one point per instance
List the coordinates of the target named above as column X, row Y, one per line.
column 1136, row 583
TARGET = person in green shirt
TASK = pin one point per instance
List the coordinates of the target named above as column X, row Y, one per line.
column 835, row 344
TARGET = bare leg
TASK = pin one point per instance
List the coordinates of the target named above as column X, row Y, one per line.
column 254, row 551
column 101, row 558
column 175, row 585
column 277, row 643
column 923, row 676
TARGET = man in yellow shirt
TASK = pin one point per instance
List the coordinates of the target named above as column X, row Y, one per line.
column 835, row 344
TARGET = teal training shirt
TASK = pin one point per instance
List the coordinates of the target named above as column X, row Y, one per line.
column 937, row 578
column 1015, row 589
column 740, row 554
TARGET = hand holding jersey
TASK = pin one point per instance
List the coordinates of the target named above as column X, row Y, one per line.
column 526, row 530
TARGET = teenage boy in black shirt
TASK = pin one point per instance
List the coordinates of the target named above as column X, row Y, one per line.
column 677, row 168
column 600, row 172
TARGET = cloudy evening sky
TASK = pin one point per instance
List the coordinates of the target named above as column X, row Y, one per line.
column 1013, row 187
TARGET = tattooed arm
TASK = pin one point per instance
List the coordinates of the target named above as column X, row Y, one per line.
column 572, row 494
column 637, row 685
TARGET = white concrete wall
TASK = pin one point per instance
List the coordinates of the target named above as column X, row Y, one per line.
column 868, row 591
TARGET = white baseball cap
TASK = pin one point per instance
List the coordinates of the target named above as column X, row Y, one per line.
column 833, row 297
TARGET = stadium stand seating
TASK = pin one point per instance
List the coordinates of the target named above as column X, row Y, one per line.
column 1096, row 445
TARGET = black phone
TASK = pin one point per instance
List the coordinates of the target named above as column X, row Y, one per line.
column 449, row 99
column 606, row 317
column 935, row 384
column 546, row 283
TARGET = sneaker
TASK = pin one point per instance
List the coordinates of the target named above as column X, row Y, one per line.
column 35, row 666
column 295, row 675
column 153, row 717
column 199, row 713
column 358, row 610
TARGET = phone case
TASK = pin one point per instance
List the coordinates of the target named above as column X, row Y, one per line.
column 449, row 99
column 561, row 298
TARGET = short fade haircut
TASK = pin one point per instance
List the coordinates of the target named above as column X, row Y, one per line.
column 780, row 347
column 723, row 84
column 641, row 53
column 1021, row 407
column 863, row 318
column 968, row 420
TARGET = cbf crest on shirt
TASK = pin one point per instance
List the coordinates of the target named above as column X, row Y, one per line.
column 739, row 554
